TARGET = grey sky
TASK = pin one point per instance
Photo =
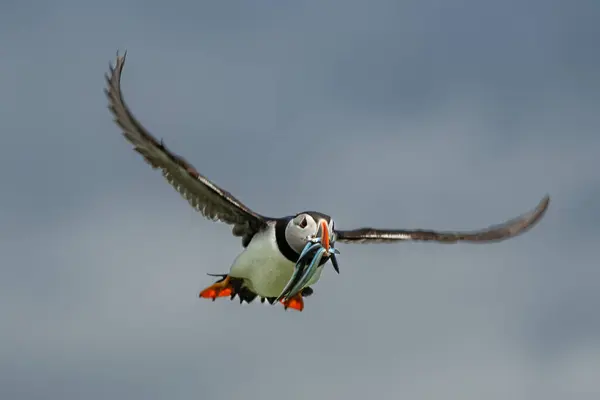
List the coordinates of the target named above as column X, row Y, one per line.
column 424, row 114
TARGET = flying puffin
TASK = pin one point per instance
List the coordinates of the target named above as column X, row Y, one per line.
column 272, row 246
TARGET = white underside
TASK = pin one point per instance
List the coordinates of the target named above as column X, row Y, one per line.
column 264, row 269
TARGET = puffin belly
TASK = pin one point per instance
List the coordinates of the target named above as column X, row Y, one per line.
column 264, row 269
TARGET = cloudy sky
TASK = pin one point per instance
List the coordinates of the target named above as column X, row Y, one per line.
column 423, row 114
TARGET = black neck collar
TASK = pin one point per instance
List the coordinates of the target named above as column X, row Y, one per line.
column 282, row 243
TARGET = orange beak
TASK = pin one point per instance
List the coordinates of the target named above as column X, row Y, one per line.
column 325, row 236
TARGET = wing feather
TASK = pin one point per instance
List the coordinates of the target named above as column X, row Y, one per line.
column 506, row 230
column 203, row 195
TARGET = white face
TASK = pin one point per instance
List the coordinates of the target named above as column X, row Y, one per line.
column 300, row 229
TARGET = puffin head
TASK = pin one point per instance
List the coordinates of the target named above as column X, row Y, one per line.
column 310, row 227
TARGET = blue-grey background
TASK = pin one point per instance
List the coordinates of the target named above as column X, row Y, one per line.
column 415, row 114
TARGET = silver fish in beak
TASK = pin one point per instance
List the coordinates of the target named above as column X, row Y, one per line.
column 309, row 261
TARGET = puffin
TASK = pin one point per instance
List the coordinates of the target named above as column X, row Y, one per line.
column 282, row 257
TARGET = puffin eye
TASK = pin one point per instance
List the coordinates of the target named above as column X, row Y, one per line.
column 303, row 223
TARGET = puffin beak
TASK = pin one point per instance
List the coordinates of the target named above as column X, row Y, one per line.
column 324, row 231
column 326, row 244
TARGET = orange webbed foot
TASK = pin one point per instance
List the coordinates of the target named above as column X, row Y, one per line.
column 295, row 303
column 223, row 288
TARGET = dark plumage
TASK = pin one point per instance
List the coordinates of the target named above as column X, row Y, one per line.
column 495, row 233
column 202, row 194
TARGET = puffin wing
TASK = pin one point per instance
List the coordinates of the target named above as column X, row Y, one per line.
column 210, row 200
column 494, row 233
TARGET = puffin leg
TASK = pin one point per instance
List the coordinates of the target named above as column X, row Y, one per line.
column 295, row 302
column 221, row 288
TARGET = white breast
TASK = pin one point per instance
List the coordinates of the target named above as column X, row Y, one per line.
column 264, row 269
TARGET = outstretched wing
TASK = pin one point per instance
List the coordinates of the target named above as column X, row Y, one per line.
column 495, row 233
column 206, row 197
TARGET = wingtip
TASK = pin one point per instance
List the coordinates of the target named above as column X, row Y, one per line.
column 120, row 61
column 543, row 205
column 532, row 218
